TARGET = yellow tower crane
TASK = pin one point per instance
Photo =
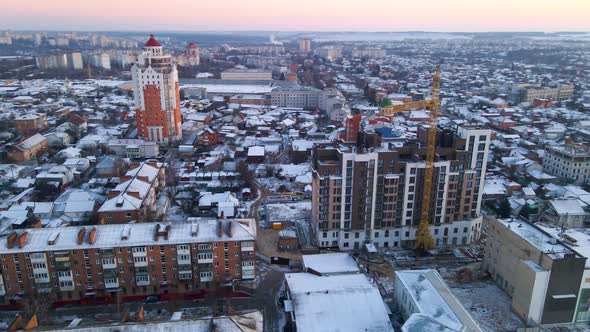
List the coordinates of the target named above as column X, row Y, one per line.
column 424, row 241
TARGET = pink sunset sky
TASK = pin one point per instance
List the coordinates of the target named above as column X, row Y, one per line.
column 309, row 15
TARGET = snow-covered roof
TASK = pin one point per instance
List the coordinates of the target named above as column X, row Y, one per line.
column 567, row 207
column 433, row 298
column 330, row 263
column 139, row 234
column 256, row 151
column 343, row 302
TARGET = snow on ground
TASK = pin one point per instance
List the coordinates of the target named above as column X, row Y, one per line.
column 488, row 305
column 175, row 214
column 288, row 211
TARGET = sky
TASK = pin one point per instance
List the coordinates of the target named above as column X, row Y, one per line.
column 296, row 15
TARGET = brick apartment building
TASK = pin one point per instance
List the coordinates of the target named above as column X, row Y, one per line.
column 125, row 262
column 368, row 193
column 136, row 195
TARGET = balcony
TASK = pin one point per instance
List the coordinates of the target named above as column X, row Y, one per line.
column 38, row 258
column 42, row 280
column 66, row 286
column 247, row 247
column 247, row 255
column 111, row 283
column 183, row 251
column 140, row 263
column 63, row 266
column 205, row 259
column 184, row 261
column 184, row 267
column 142, row 280
column 109, row 273
column 248, row 274
column 109, row 264
column 187, row 275
column 43, row 287
column 206, row 276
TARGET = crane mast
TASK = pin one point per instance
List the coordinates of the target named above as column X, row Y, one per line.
column 424, row 241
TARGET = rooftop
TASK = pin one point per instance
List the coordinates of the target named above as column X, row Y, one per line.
column 330, row 263
column 130, row 235
column 434, row 299
column 345, row 302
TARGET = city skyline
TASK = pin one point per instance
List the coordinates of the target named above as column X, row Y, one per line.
column 330, row 15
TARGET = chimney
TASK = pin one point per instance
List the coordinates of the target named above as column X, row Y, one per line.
column 194, row 230
column 113, row 194
column 168, row 228
column 134, row 194
column 219, row 228
column 92, row 235
column 156, row 232
column 229, row 228
column 11, row 239
column 81, row 234
column 22, row 239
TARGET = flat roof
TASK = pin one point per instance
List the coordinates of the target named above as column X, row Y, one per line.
column 343, row 302
column 330, row 263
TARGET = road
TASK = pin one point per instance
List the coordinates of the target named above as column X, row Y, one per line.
column 264, row 298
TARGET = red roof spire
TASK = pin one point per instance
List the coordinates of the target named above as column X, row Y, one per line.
column 152, row 42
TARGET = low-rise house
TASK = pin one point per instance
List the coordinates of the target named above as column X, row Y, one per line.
column 136, row 195
column 28, row 124
column 110, row 167
column 565, row 213
column 28, row 149
column 133, row 148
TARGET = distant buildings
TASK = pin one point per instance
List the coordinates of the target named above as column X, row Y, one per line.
column 246, row 74
column 329, row 52
column 156, row 93
column 568, row 161
column 371, row 53
column 374, row 194
column 304, row 46
column 133, row 148
column 191, row 56
column 529, row 92
column 296, row 96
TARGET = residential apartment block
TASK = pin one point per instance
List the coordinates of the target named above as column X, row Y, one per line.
column 131, row 261
column 299, row 97
column 157, row 95
column 568, row 161
column 374, row 194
